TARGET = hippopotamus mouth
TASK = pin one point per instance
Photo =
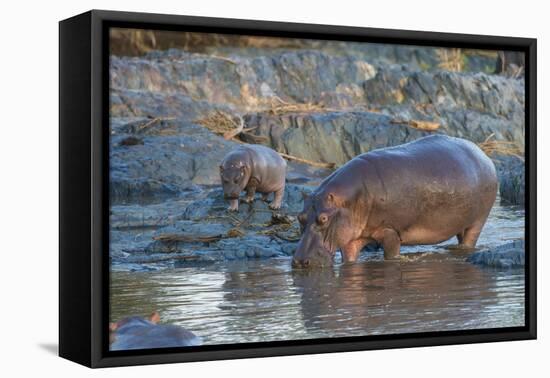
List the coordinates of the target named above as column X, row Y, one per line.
column 312, row 252
column 231, row 196
column 324, row 260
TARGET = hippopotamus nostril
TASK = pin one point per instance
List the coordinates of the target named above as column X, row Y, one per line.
column 305, row 263
column 295, row 262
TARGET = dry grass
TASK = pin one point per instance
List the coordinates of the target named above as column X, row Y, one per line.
column 229, row 126
column 138, row 42
column 501, row 147
column 450, row 59
column 219, row 122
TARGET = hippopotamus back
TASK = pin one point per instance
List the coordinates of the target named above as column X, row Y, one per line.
column 139, row 333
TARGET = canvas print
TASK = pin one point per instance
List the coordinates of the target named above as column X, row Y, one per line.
column 278, row 189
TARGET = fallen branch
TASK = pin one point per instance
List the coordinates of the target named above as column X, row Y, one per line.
column 285, row 238
column 153, row 121
column 169, row 257
column 305, row 161
column 236, row 131
column 168, row 238
column 417, row 124
column 284, row 107
column 223, row 124
column 235, row 233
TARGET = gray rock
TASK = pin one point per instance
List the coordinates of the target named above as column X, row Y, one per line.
column 509, row 255
column 471, row 106
column 511, row 174
column 165, row 165
column 332, row 137
column 302, row 76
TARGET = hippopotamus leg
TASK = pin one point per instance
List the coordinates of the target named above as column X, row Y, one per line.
column 233, row 205
column 278, row 200
column 250, row 193
column 460, row 237
column 265, row 197
column 391, row 243
column 471, row 234
column 351, row 251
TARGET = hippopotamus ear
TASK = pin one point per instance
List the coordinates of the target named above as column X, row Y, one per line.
column 221, row 168
column 113, row 326
column 154, row 317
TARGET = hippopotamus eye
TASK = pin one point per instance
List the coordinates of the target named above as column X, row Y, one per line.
column 226, row 181
column 236, row 181
column 322, row 219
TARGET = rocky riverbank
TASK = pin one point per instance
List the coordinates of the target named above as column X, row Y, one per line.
column 322, row 106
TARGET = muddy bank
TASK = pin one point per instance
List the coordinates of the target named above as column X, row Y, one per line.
column 197, row 230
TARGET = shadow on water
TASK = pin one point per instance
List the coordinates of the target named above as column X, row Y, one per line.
column 432, row 288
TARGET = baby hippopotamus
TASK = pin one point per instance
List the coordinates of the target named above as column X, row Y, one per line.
column 422, row 192
column 253, row 168
column 136, row 332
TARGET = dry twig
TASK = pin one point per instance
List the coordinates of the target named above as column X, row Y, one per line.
column 167, row 238
column 153, row 121
column 418, row 124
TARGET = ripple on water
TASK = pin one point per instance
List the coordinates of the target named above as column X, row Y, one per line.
column 265, row 300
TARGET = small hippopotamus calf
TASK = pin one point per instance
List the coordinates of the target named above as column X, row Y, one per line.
column 136, row 332
column 253, row 168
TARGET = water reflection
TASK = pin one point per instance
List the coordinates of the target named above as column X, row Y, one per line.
column 382, row 297
column 266, row 300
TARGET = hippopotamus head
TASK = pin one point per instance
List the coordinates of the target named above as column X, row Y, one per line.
column 136, row 332
column 234, row 180
column 326, row 226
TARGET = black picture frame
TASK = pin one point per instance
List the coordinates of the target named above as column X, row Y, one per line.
column 84, row 192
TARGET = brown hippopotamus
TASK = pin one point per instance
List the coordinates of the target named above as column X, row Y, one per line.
column 253, row 168
column 422, row 192
column 136, row 332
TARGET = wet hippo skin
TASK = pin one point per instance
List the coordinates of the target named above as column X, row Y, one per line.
column 136, row 332
column 423, row 192
column 253, row 168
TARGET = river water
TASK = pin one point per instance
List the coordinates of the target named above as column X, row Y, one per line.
column 432, row 288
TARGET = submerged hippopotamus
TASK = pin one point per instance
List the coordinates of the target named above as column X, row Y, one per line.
column 253, row 168
column 422, row 192
column 136, row 332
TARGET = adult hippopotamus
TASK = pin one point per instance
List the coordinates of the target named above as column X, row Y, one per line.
column 136, row 332
column 253, row 168
column 422, row 192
